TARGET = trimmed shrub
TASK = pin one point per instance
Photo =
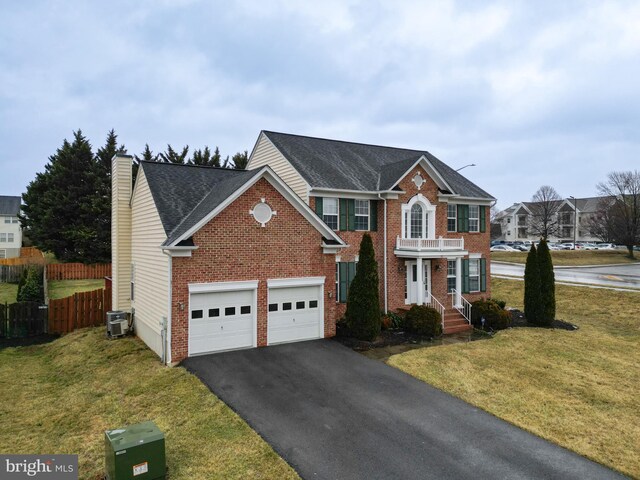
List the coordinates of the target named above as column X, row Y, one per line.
column 493, row 312
column 397, row 318
column 32, row 289
column 532, row 298
column 363, row 305
column 424, row 320
column 547, row 285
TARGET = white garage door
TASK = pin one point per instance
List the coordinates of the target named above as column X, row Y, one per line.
column 221, row 321
column 294, row 314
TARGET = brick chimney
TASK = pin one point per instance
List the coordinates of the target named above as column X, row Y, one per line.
column 121, row 186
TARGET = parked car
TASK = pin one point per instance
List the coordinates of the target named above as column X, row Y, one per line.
column 566, row 246
column 589, row 246
column 606, row 246
column 554, row 246
column 503, row 248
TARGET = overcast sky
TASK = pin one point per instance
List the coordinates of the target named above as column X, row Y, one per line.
column 531, row 92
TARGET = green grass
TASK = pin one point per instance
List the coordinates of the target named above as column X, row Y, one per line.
column 571, row 257
column 65, row 288
column 8, row 292
column 578, row 389
column 61, row 397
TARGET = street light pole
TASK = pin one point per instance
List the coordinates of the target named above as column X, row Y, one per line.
column 575, row 220
column 470, row 165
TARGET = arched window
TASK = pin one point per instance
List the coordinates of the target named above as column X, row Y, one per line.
column 416, row 221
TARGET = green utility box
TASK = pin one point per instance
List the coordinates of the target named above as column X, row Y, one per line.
column 135, row 452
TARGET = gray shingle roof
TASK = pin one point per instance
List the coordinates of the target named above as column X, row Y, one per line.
column 185, row 194
column 9, row 205
column 336, row 164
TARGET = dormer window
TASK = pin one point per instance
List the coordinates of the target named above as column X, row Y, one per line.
column 330, row 212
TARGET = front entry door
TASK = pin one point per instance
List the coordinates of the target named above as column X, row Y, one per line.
column 412, row 281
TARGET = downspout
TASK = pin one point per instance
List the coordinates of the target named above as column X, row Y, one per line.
column 384, row 255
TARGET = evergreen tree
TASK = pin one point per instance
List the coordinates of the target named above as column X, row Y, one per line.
column 363, row 304
column 532, row 298
column 547, row 283
column 63, row 206
column 240, row 160
column 146, row 155
column 172, row 156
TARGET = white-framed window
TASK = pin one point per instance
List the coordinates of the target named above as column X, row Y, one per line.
column 330, row 212
column 451, row 275
column 362, row 214
column 3, row 237
column 474, row 218
column 14, row 220
column 474, row 275
column 3, row 254
column 7, row 219
column 452, row 217
column 10, row 237
column 415, row 228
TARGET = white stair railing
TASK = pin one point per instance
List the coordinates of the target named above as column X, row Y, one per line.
column 434, row 303
column 462, row 306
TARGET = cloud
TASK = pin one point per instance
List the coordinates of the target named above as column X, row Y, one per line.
column 534, row 93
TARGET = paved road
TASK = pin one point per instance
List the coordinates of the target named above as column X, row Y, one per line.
column 617, row 276
column 334, row 414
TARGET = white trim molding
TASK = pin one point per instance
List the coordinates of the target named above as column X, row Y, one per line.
column 222, row 286
column 295, row 282
column 428, row 229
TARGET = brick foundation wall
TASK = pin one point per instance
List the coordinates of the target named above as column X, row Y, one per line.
column 234, row 247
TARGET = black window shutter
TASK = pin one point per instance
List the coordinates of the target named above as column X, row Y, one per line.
column 343, row 214
column 463, row 218
column 373, row 215
column 465, row 275
column 343, row 273
column 352, row 214
column 483, row 274
column 319, row 206
column 483, row 219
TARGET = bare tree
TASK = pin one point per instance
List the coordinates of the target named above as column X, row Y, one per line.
column 543, row 221
column 620, row 215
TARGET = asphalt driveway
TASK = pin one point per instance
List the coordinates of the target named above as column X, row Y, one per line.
column 334, row 414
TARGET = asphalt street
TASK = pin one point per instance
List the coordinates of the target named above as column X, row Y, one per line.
column 614, row 276
column 332, row 413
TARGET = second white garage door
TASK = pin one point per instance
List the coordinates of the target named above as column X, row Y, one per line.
column 295, row 313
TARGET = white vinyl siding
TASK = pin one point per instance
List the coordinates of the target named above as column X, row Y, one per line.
column 150, row 265
column 266, row 154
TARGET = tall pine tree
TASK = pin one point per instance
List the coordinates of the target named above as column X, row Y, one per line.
column 547, row 284
column 240, row 160
column 363, row 304
column 67, row 207
column 532, row 299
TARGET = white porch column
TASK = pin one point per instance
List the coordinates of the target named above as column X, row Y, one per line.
column 458, row 281
column 420, row 281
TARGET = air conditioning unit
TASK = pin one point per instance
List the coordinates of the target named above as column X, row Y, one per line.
column 117, row 323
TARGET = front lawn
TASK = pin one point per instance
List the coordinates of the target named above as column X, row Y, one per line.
column 66, row 288
column 571, row 258
column 578, row 389
column 62, row 396
column 8, row 292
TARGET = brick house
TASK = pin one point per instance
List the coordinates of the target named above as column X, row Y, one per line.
column 214, row 259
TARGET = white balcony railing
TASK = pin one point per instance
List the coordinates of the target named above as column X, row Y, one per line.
column 430, row 244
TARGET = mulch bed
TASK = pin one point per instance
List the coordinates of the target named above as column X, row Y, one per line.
column 519, row 320
column 26, row 341
column 386, row 338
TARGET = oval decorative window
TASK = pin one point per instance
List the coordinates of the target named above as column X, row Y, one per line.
column 262, row 213
column 418, row 180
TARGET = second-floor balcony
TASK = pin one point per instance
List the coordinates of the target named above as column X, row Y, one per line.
column 430, row 244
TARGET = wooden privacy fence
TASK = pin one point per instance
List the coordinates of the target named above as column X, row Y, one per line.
column 23, row 319
column 80, row 310
column 12, row 273
column 77, row 271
